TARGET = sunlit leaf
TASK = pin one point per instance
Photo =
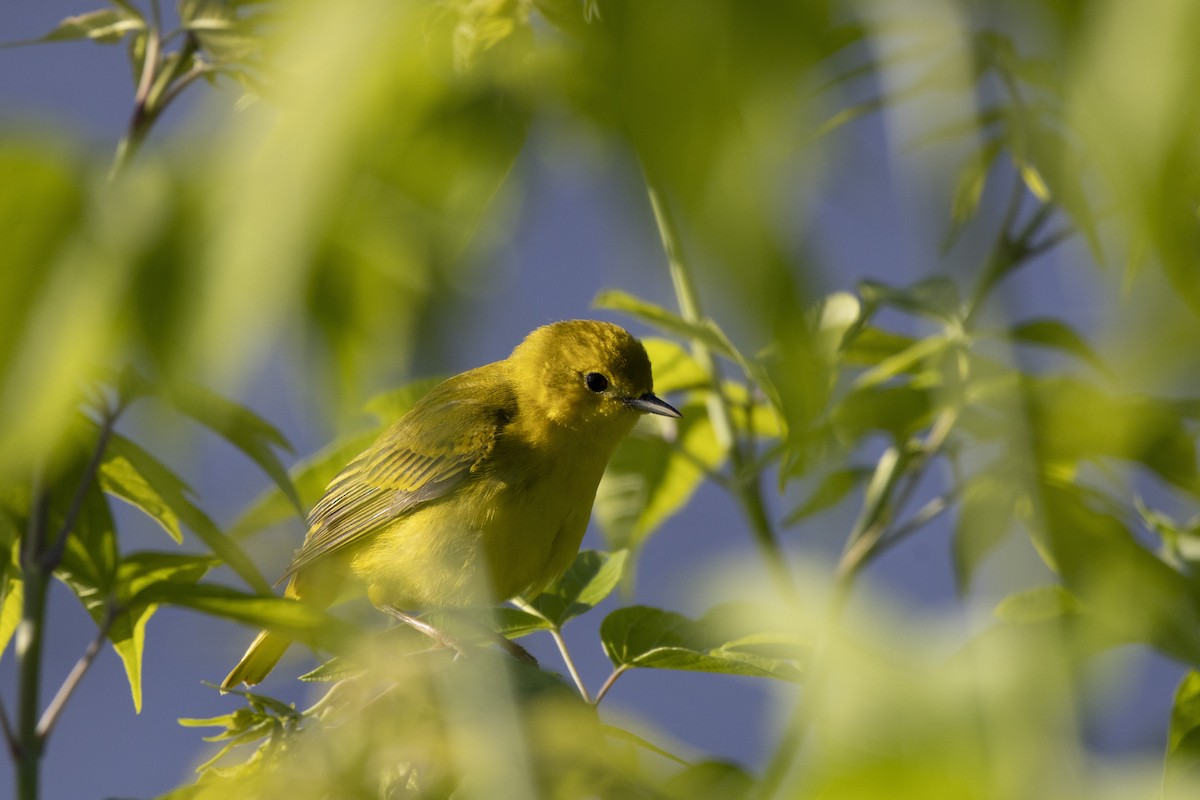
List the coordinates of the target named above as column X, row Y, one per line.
column 649, row 478
column 1039, row 604
column 12, row 584
column 105, row 25
column 1183, row 738
column 985, row 518
column 674, row 368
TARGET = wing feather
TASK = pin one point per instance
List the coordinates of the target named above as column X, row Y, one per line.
column 430, row 451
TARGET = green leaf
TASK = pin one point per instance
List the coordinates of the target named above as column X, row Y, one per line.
column 711, row 780
column 898, row 410
column 937, row 297
column 832, row 489
column 650, row 478
column 513, row 623
column 298, row 620
column 127, row 630
column 1129, row 593
column 1074, row 421
column 392, row 405
column 641, row 636
column 105, row 25
column 969, row 186
column 163, row 496
column 674, row 368
column 1039, row 604
column 906, row 361
column 12, row 585
column 1183, row 738
column 590, row 578
column 985, row 517
column 640, row 741
column 706, row 333
column 1058, row 335
column 238, row 425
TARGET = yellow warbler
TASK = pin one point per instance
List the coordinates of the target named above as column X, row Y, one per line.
column 483, row 490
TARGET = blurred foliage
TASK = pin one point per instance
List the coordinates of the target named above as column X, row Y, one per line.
column 362, row 178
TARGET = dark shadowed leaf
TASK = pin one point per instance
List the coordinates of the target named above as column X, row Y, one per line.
column 163, row 496
column 641, row 636
column 241, row 427
column 590, row 578
column 1058, row 335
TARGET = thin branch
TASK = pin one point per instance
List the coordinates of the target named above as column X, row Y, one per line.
column 747, row 487
column 54, row 710
column 570, row 662
column 10, row 736
column 608, row 684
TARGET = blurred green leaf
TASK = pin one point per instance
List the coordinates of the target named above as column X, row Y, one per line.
column 1075, row 421
column 1127, row 591
column 937, row 297
column 641, row 636
column 1183, row 738
column 390, row 406
column 969, row 186
column 1039, row 604
column 163, row 496
column 650, row 478
column 914, row 357
column 590, row 578
column 674, row 368
column 711, row 780
column 105, row 25
column 832, row 489
column 241, row 427
column 899, row 411
column 985, row 517
column 1058, row 335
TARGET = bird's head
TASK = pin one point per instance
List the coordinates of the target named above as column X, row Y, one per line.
column 585, row 373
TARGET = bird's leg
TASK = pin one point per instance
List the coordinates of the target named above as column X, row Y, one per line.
column 507, row 645
column 433, row 632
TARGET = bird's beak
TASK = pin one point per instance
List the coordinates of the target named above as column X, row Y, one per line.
column 649, row 404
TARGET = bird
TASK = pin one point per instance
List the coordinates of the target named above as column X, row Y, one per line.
column 482, row 491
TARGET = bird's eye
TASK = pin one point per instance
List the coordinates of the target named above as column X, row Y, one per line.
column 595, row 381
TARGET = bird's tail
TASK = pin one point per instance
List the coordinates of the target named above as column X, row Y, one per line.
column 261, row 657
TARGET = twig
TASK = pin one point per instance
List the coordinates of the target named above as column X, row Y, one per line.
column 10, row 736
column 570, row 662
column 748, row 487
column 608, row 684
column 55, row 709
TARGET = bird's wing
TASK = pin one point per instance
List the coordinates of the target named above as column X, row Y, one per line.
column 424, row 456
